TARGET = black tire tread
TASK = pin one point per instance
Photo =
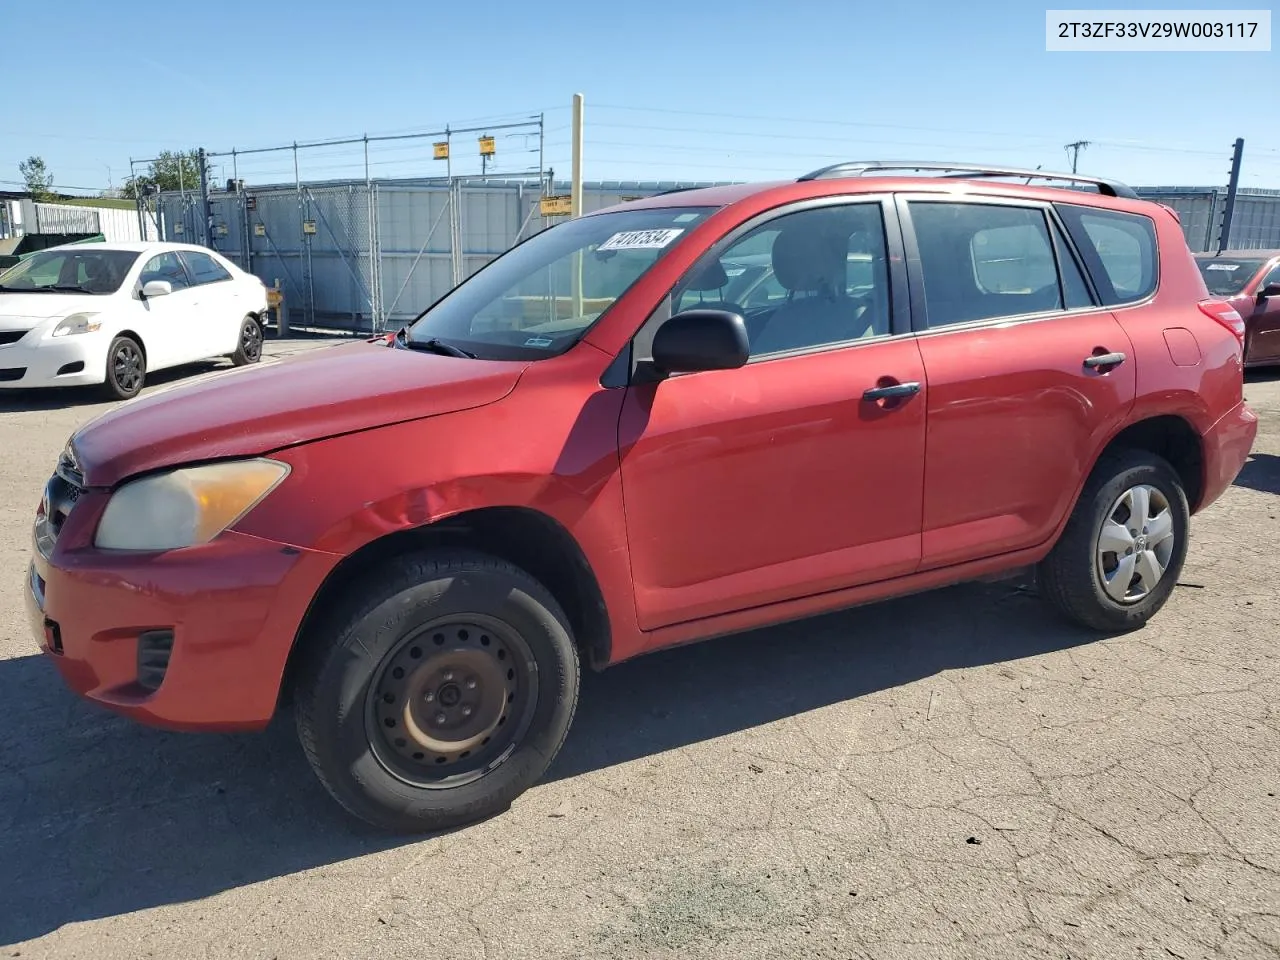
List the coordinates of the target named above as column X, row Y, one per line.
column 362, row 597
column 1059, row 579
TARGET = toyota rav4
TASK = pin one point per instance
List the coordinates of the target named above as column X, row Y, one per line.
column 590, row 450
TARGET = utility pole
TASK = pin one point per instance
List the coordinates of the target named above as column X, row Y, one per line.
column 575, row 186
column 1074, row 149
column 575, row 199
column 205, row 212
column 1233, row 185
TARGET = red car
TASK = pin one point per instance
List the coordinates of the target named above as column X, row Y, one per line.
column 1250, row 281
column 585, row 452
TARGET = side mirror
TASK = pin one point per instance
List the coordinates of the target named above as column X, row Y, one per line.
column 1270, row 290
column 698, row 340
column 156, row 288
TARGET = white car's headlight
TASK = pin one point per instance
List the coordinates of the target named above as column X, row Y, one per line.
column 77, row 323
column 185, row 507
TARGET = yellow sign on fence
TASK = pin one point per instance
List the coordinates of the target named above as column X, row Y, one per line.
column 441, row 150
column 259, row 229
column 555, row 206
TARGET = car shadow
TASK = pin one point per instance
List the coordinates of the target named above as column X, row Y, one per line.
column 62, row 398
column 104, row 817
column 1260, row 472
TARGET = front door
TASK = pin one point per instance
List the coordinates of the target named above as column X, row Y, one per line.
column 166, row 321
column 1019, row 399
column 1262, row 321
column 215, row 329
column 783, row 478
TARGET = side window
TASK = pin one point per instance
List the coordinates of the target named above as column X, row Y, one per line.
column 982, row 262
column 807, row 279
column 1119, row 249
column 1270, row 278
column 1074, row 288
column 203, row 268
column 165, row 266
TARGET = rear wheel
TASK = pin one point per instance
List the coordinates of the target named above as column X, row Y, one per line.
column 1122, row 551
column 249, row 347
column 441, row 693
column 126, row 369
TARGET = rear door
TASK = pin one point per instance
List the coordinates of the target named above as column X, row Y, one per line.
column 1010, row 334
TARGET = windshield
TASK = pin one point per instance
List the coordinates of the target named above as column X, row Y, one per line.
column 69, row 270
column 1226, row 276
column 539, row 298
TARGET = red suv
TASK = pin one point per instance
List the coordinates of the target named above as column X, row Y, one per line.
column 589, row 451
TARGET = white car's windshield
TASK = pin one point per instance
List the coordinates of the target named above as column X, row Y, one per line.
column 538, row 299
column 69, row 270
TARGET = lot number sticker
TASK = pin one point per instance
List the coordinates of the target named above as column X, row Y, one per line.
column 640, row 240
column 1223, row 266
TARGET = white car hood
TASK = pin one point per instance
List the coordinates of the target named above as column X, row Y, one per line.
column 22, row 311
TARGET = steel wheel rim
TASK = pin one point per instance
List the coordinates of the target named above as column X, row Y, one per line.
column 456, row 709
column 251, row 340
column 1136, row 544
column 126, row 367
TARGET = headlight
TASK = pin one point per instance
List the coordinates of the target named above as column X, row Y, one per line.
column 185, row 507
column 77, row 323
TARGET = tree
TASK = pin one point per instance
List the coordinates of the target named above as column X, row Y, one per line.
column 169, row 171
column 38, row 178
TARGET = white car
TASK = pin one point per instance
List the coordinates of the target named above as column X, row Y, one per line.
column 107, row 313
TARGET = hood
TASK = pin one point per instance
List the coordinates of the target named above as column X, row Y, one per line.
column 22, row 311
column 307, row 396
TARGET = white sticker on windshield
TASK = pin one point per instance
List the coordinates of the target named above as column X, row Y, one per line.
column 685, row 218
column 640, row 240
column 1223, row 266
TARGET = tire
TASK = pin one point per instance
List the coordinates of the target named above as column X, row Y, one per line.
column 249, row 347
column 477, row 638
column 126, row 369
column 1086, row 582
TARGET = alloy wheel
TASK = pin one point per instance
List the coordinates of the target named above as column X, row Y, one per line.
column 251, row 340
column 126, row 366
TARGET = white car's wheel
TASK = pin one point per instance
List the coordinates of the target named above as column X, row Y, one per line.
column 126, row 368
column 249, row 349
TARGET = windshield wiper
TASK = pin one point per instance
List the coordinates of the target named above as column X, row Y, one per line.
column 69, row 288
column 436, row 345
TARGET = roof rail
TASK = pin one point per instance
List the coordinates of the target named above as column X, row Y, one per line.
column 965, row 171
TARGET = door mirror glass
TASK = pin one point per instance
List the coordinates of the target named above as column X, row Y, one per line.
column 698, row 340
column 156, row 288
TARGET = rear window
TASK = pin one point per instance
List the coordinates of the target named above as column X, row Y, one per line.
column 1227, row 276
column 1119, row 250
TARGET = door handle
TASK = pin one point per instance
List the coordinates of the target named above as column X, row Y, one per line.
column 1104, row 360
column 892, row 391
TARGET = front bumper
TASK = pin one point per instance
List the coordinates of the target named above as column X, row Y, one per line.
column 1227, row 445
column 232, row 606
column 62, row 362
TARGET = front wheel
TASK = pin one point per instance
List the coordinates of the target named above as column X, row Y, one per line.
column 126, row 369
column 1122, row 551
column 439, row 693
column 249, row 347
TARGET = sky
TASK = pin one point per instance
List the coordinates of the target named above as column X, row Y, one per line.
column 692, row 90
